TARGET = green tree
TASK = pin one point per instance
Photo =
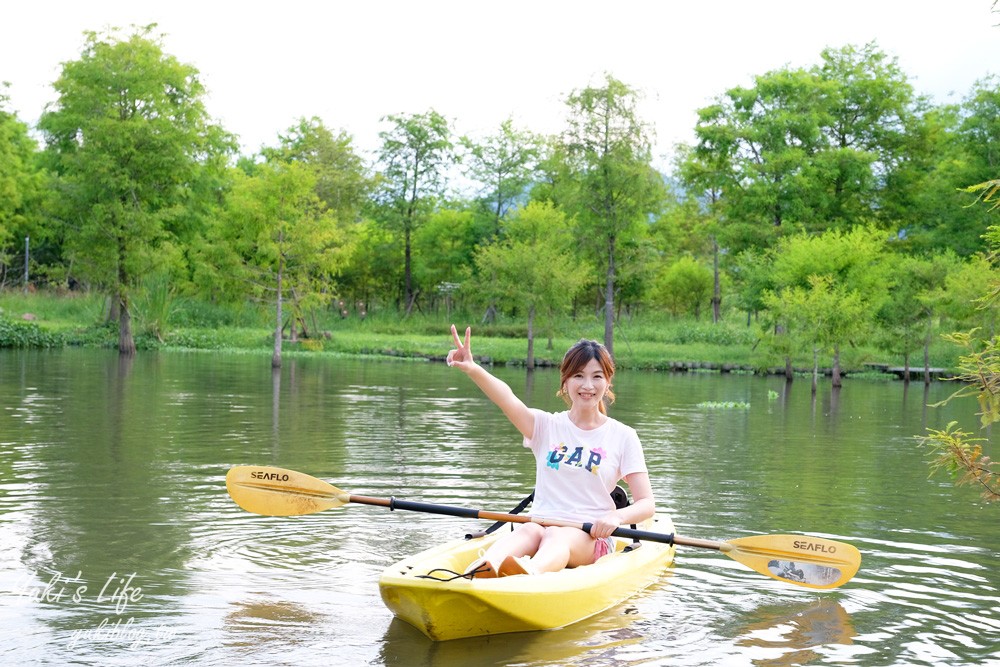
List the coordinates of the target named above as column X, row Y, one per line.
column 532, row 267
column 867, row 106
column 416, row 150
column 278, row 238
column 613, row 188
column 684, row 286
column 370, row 270
column 906, row 320
column 128, row 136
column 805, row 149
column 828, row 275
column 20, row 186
column 703, row 174
column 504, row 165
column 953, row 146
column 822, row 314
column 342, row 180
column 754, row 143
column 445, row 246
column 958, row 296
column 955, row 450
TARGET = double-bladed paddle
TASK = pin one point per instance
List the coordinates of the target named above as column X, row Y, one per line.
column 805, row 561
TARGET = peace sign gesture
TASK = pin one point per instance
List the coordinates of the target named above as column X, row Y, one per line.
column 461, row 356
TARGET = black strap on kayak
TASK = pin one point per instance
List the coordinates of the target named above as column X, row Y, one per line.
column 517, row 510
column 619, row 495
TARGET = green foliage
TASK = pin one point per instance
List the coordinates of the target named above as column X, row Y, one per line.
column 444, row 247
column 684, row 287
column 958, row 453
column 531, row 267
column 691, row 332
column 504, row 165
column 979, row 370
column 803, row 149
column 342, row 181
column 802, row 159
column 612, row 188
column 129, row 139
column 416, row 150
column 987, row 193
column 26, row 335
column 155, row 306
column 20, row 184
column 725, row 405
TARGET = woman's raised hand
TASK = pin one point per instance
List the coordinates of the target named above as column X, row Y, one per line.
column 461, row 356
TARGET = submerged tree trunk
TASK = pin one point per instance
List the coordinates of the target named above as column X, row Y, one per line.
column 815, row 382
column 609, row 300
column 531, row 337
column 276, row 356
column 126, row 342
column 837, row 382
column 927, row 361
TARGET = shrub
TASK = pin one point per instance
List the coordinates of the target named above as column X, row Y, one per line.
column 26, row 335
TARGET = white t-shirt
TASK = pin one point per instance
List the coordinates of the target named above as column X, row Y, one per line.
column 576, row 469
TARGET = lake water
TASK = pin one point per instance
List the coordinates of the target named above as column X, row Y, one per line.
column 120, row 546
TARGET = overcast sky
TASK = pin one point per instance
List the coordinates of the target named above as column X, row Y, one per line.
column 266, row 64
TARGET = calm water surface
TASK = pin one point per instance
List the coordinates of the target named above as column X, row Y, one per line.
column 120, row 546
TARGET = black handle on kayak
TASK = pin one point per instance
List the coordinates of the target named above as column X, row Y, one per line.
column 632, row 533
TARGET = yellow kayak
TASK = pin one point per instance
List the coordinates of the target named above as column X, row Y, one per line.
column 423, row 589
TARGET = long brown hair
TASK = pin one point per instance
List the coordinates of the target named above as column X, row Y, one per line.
column 579, row 356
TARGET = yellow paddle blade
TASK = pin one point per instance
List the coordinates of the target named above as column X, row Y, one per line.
column 805, row 561
column 280, row 492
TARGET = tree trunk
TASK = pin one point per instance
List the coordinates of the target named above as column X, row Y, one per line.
column 836, row 367
column 717, row 288
column 906, row 367
column 126, row 343
column 927, row 361
column 531, row 337
column 276, row 356
column 789, row 371
column 609, row 300
column 815, row 382
column 407, row 271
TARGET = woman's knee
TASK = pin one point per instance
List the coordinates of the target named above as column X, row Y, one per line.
column 533, row 530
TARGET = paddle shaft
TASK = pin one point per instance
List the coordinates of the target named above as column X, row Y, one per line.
column 802, row 560
column 469, row 513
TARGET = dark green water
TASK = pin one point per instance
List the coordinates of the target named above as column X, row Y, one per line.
column 120, row 546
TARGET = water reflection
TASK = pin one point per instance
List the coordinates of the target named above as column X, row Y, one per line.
column 112, row 467
column 589, row 642
column 257, row 624
column 789, row 634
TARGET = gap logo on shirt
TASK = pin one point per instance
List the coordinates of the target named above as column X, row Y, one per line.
column 561, row 455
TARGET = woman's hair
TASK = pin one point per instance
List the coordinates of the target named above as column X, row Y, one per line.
column 579, row 356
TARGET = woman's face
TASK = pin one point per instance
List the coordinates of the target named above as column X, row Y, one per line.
column 587, row 386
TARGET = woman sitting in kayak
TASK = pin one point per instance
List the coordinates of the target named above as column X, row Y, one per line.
column 580, row 456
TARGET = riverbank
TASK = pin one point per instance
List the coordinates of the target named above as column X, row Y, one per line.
column 651, row 342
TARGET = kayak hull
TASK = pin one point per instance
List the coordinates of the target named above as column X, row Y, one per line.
column 421, row 589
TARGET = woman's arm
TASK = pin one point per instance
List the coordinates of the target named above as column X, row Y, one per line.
column 495, row 389
column 643, row 507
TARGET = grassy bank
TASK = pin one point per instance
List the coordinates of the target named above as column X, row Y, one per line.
column 646, row 342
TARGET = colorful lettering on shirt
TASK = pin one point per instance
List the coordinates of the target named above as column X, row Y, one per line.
column 558, row 453
column 596, row 456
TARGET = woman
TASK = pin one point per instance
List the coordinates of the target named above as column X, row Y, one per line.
column 580, row 455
